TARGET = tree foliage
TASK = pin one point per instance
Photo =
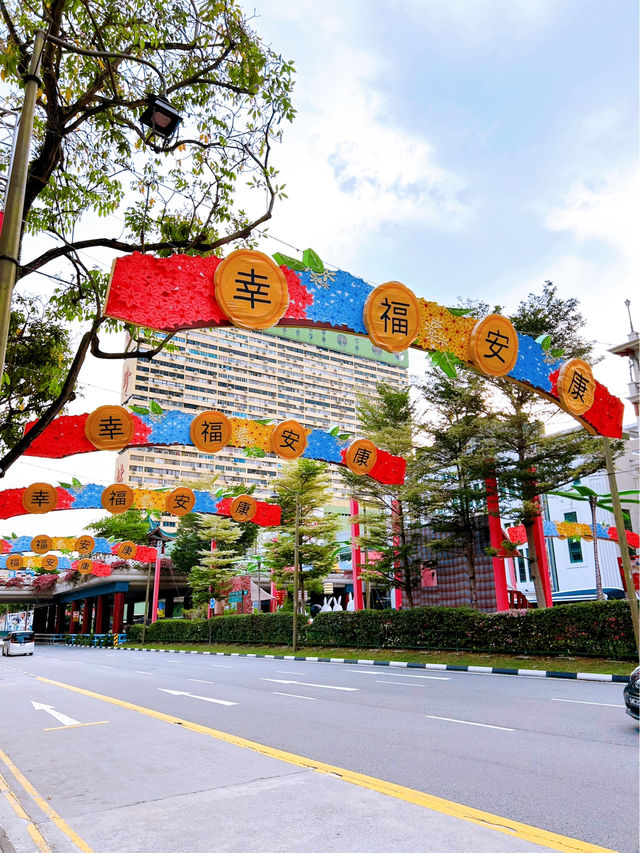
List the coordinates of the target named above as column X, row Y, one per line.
column 91, row 159
column 303, row 483
column 132, row 526
column 393, row 527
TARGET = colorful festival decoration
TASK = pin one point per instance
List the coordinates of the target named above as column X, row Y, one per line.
column 182, row 292
column 573, row 530
column 92, row 496
column 208, row 431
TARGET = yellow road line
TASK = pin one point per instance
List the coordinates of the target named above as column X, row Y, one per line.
column 513, row 828
column 75, row 726
column 51, row 813
column 16, row 805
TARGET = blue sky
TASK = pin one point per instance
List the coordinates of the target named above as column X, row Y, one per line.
column 469, row 148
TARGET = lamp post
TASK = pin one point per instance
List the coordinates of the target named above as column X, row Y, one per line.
column 296, row 569
column 160, row 116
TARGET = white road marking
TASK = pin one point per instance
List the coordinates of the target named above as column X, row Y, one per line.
column 401, row 683
column 404, row 675
column 469, row 723
column 193, row 696
column 221, row 666
column 310, row 684
column 583, row 702
column 201, row 680
column 142, row 672
column 294, row 695
column 104, row 666
column 61, row 718
column 291, row 672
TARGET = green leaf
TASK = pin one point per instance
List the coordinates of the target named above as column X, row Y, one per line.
column 286, row 261
column 544, row 341
column 312, row 260
column 65, row 485
column 344, row 436
column 446, row 362
column 155, row 408
column 335, row 431
column 585, row 490
column 264, row 421
column 254, row 452
column 76, row 482
column 460, row 312
column 139, row 410
column 557, row 353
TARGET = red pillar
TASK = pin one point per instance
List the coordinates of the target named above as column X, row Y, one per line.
column 356, row 559
column 495, row 539
column 59, row 626
column 87, row 610
column 118, row 612
column 541, row 553
column 156, row 583
column 209, row 610
column 396, row 592
column 99, row 629
column 273, row 604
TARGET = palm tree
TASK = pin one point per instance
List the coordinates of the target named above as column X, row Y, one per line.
column 596, row 499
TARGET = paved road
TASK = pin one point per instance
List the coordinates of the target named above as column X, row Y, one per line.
column 558, row 755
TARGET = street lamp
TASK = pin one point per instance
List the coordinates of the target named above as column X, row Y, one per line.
column 164, row 121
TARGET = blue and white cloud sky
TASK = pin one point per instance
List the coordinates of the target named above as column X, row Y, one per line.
column 469, row 148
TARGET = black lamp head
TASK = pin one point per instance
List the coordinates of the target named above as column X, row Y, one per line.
column 161, row 117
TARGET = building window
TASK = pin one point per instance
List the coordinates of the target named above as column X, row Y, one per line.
column 575, row 546
column 522, row 566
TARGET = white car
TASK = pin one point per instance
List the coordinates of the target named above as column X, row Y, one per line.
column 18, row 643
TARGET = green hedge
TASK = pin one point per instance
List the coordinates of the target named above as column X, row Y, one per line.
column 244, row 628
column 600, row 628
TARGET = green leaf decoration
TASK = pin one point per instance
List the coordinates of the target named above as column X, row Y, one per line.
column 335, row 431
column 312, row 260
column 460, row 312
column 544, row 341
column 155, row 408
column 65, row 485
column 265, row 421
column 76, row 482
column 139, row 410
column 344, row 436
column 446, row 361
column 286, row 261
column 585, row 490
column 255, row 452
column 557, row 353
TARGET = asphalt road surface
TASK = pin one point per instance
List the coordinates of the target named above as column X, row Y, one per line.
column 174, row 764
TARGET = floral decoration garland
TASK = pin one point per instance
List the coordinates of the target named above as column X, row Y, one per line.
column 89, row 497
column 66, row 437
column 573, row 530
column 178, row 293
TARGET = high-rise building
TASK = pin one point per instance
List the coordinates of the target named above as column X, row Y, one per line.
column 310, row 375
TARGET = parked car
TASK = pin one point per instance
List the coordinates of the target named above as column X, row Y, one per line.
column 632, row 694
column 18, row 643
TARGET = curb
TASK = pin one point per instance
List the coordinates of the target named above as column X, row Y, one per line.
column 447, row 667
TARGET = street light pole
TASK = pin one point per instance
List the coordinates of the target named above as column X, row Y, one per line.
column 14, row 206
column 296, row 567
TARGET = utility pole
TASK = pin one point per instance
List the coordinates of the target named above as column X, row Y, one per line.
column 12, row 222
column 296, row 568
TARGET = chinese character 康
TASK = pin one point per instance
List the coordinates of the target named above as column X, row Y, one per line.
column 396, row 312
column 252, row 288
column 243, row 508
column 497, row 343
column 578, row 386
column 362, row 456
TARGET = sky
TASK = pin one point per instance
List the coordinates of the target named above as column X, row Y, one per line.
column 467, row 148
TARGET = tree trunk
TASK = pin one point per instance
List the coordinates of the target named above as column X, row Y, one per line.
column 471, row 572
column 534, row 567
